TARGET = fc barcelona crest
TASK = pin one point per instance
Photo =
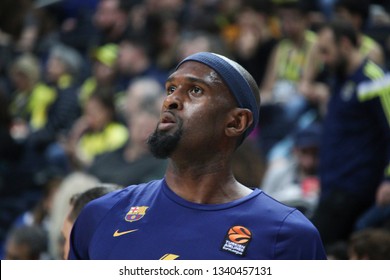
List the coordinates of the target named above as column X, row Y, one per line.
column 136, row 213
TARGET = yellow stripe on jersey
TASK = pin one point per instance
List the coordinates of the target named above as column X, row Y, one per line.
column 377, row 88
column 366, row 92
column 366, row 45
column 385, row 100
column 373, row 71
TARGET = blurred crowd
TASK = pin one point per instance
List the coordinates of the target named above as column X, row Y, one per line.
column 82, row 83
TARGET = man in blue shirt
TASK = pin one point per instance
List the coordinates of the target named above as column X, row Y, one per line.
column 355, row 150
column 198, row 210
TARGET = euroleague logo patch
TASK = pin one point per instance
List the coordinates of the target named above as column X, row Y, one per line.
column 237, row 240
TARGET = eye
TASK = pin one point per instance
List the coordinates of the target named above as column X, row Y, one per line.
column 170, row 90
column 196, row 91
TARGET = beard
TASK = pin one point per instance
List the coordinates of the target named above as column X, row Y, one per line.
column 161, row 144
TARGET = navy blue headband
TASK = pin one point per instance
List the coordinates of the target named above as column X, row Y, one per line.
column 233, row 78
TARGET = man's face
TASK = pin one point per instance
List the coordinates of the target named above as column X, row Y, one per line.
column 330, row 52
column 194, row 112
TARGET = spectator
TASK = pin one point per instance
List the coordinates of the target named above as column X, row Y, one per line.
column 314, row 83
column 282, row 103
column 103, row 72
column 198, row 41
column 63, row 67
column 255, row 40
column 358, row 16
column 97, row 130
column 134, row 61
column 77, row 202
column 31, row 101
column 165, row 40
column 354, row 158
column 143, row 93
column 75, row 182
column 42, row 114
column 62, row 71
column 369, row 244
column 77, row 28
column 293, row 179
column 201, row 15
column 30, row 109
column 288, row 59
column 111, row 20
column 26, row 243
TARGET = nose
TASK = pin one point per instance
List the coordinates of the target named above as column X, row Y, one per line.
column 173, row 102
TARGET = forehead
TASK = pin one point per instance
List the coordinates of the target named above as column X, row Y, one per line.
column 199, row 71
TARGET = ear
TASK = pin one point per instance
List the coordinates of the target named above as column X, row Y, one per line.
column 239, row 120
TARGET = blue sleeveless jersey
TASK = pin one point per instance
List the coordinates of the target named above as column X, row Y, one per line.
column 150, row 222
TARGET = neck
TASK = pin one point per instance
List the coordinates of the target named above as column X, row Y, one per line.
column 211, row 183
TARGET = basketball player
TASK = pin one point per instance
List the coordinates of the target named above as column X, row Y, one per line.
column 198, row 210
